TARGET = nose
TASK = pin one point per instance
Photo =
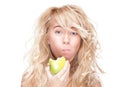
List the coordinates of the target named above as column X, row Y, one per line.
column 66, row 39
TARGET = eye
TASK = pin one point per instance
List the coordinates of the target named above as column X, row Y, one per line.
column 58, row 32
column 74, row 33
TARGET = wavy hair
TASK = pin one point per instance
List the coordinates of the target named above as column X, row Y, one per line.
column 84, row 68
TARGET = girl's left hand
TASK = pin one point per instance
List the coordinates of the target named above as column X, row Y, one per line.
column 60, row 79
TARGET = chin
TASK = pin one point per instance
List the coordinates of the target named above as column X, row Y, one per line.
column 68, row 58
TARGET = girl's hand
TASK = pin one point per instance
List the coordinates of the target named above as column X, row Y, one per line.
column 60, row 79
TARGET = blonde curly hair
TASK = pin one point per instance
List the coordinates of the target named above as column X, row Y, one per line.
column 84, row 68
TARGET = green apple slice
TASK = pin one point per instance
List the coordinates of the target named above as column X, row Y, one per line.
column 57, row 65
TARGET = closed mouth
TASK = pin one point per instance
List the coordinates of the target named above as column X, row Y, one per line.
column 66, row 50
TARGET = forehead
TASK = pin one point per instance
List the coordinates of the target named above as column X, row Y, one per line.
column 64, row 23
column 54, row 23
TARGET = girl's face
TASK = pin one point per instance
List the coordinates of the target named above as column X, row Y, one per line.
column 63, row 42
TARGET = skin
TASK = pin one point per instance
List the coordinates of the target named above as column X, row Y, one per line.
column 60, row 79
column 63, row 42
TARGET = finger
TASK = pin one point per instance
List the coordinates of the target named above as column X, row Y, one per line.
column 48, row 64
column 47, row 69
column 65, row 76
column 64, row 70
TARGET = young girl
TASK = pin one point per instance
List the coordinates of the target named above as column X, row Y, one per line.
column 63, row 31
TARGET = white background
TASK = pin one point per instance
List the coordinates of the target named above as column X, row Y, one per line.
column 17, row 20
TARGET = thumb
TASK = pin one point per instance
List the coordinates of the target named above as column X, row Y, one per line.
column 47, row 69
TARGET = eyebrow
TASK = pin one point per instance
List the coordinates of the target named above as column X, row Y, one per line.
column 83, row 32
column 57, row 25
column 73, row 28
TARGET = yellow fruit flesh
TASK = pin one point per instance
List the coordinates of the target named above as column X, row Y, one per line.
column 57, row 65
